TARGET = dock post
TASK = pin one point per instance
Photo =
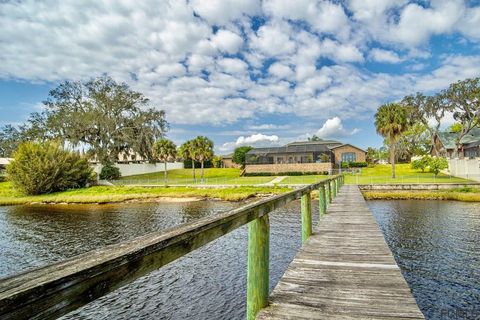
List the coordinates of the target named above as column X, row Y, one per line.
column 306, row 216
column 334, row 191
column 322, row 200
column 330, row 190
column 258, row 265
column 328, row 193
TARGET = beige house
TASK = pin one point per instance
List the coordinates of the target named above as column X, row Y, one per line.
column 227, row 161
column 305, row 156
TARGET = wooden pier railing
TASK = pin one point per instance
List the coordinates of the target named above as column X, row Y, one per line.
column 54, row 290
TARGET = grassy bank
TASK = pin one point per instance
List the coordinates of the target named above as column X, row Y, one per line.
column 462, row 194
column 8, row 196
column 212, row 176
column 381, row 174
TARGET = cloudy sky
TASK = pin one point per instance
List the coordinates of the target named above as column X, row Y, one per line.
column 242, row 71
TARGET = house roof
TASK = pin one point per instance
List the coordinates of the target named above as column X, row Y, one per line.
column 347, row 144
column 448, row 139
column 298, row 147
column 227, row 156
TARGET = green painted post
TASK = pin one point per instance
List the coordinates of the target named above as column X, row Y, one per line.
column 322, row 209
column 306, row 216
column 258, row 259
column 334, row 188
column 329, row 193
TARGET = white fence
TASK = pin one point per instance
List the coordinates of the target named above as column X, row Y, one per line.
column 465, row 168
column 131, row 169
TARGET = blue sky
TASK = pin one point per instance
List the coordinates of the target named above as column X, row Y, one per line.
column 243, row 71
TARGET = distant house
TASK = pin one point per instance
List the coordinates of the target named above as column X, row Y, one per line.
column 227, row 161
column 123, row 157
column 446, row 145
column 303, row 156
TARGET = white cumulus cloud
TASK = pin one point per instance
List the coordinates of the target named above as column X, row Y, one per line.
column 333, row 128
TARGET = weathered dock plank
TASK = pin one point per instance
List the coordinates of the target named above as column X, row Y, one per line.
column 345, row 270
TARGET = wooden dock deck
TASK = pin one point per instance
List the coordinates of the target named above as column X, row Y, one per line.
column 345, row 270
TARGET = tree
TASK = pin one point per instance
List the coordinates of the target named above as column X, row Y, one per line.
column 314, row 138
column 106, row 116
column 47, row 167
column 203, row 151
column 421, row 164
column 415, row 141
column 165, row 150
column 437, row 164
column 463, row 99
column 391, row 122
column 371, row 155
column 239, row 155
column 428, row 110
column 187, row 152
column 10, row 138
column 455, row 128
column 217, row 161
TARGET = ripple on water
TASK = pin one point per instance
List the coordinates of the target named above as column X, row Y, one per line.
column 209, row 283
column 437, row 246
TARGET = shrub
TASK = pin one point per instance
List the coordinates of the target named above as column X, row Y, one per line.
column 187, row 164
column 437, row 164
column 421, row 164
column 346, row 165
column 46, row 167
column 110, row 172
column 358, row 164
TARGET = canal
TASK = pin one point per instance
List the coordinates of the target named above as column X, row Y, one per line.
column 436, row 244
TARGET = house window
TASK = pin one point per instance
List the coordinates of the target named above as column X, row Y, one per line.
column 471, row 153
column 349, row 157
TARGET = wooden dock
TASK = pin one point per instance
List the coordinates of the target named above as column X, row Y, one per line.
column 345, row 270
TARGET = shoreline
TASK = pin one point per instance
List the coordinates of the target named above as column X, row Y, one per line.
column 106, row 195
column 453, row 195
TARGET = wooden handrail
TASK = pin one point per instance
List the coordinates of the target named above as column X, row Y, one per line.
column 56, row 289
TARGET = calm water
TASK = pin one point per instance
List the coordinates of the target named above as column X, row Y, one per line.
column 206, row 284
column 436, row 243
column 437, row 246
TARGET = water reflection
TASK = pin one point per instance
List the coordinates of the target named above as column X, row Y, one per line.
column 437, row 245
column 206, row 284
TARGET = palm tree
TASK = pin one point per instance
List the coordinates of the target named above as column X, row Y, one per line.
column 165, row 150
column 203, row 151
column 187, row 152
column 391, row 121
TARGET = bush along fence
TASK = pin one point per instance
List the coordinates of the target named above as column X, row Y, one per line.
column 56, row 289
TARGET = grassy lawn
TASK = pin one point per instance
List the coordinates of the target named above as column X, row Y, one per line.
column 98, row 194
column 307, row 179
column 461, row 194
column 213, row 176
column 381, row 174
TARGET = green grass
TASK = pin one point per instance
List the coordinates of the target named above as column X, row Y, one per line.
column 307, row 179
column 381, row 174
column 99, row 194
column 212, row 176
column 461, row 194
